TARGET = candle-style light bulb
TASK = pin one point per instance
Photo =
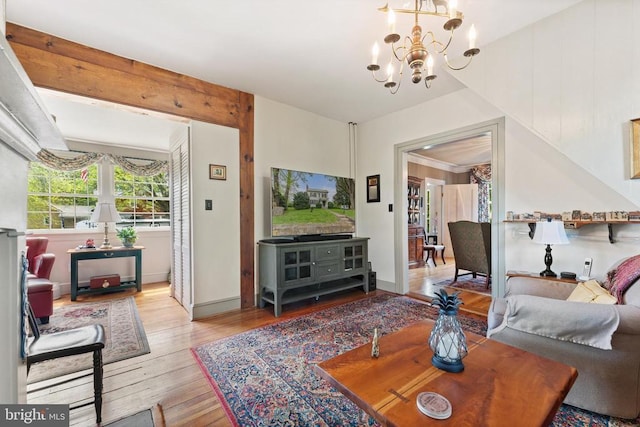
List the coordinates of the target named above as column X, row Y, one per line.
column 375, row 51
column 430, row 65
column 391, row 20
column 389, row 73
column 472, row 37
column 453, row 9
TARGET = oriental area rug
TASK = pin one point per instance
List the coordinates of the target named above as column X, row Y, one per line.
column 265, row 376
column 468, row 284
column 125, row 336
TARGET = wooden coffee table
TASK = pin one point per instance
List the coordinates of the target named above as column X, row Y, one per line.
column 500, row 385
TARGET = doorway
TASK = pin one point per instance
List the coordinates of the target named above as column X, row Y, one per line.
column 402, row 152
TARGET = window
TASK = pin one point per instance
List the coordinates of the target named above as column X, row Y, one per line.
column 65, row 200
column 60, row 199
column 142, row 200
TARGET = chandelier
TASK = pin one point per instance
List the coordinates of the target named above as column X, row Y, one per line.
column 418, row 51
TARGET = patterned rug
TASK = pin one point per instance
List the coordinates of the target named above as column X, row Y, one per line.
column 467, row 283
column 265, row 376
column 124, row 334
column 568, row 416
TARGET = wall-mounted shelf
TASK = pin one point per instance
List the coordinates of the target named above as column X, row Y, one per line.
column 574, row 225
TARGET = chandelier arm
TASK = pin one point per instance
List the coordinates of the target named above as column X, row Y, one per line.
column 395, row 52
column 397, row 87
column 444, row 49
column 446, row 60
column 373, row 73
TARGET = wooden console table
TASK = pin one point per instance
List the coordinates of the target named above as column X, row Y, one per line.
column 119, row 252
column 533, row 275
column 500, row 385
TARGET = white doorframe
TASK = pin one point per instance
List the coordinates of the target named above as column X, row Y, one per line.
column 436, row 190
column 496, row 128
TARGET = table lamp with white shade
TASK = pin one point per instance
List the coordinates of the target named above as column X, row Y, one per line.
column 550, row 233
column 105, row 212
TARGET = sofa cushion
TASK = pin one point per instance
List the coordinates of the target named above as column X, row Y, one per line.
column 588, row 324
column 621, row 277
column 591, row 292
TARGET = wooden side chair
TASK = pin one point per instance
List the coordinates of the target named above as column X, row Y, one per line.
column 74, row 341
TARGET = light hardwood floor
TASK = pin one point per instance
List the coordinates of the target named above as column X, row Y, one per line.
column 169, row 375
column 421, row 281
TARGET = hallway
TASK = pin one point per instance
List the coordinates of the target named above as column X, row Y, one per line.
column 422, row 279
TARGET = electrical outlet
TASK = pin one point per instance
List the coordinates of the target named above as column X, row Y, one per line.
column 208, row 205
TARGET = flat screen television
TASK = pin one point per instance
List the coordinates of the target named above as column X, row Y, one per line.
column 308, row 206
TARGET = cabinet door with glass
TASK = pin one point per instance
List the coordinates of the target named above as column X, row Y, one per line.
column 354, row 256
column 296, row 264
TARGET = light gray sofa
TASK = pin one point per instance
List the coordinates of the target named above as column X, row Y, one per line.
column 608, row 380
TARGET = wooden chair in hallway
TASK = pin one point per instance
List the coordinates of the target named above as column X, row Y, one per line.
column 85, row 339
column 432, row 251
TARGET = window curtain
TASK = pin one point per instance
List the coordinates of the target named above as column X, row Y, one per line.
column 82, row 160
column 481, row 175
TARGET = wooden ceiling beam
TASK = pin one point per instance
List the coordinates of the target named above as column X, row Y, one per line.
column 62, row 65
column 59, row 64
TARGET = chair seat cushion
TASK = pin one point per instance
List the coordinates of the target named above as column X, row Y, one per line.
column 66, row 343
column 39, row 285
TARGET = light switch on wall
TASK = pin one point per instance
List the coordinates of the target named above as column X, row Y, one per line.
column 208, row 205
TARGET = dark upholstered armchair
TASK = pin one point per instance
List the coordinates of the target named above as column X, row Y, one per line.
column 471, row 242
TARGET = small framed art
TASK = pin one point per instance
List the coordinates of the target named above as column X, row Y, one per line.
column 373, row 188
column 217, row 172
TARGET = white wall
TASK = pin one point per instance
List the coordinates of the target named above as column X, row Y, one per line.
column 13, row 215
column 290, row 138
column 285, row 137
column 375, row 147
column 215, row 249
column 568, row 87
column 573, row 80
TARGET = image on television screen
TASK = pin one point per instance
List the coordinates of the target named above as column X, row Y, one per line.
column 304, row 203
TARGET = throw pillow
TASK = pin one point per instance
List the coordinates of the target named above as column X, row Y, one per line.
column 591, row 292
column 622, row 276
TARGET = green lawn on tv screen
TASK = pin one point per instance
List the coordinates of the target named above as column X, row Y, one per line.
column 315, row 216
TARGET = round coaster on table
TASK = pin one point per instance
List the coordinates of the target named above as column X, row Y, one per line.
column 434, row 405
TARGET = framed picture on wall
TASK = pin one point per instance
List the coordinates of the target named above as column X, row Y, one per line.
column 373, row 188
column 635, row 149
column 217, row 172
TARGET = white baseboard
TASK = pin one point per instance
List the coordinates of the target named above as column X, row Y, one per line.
column 207, row 309
column 386, row 286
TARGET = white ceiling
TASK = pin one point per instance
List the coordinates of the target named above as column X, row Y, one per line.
column 311, row 55
column 463, row 153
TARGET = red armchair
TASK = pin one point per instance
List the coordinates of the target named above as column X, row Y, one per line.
column 40, row 262
column 39, row 287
